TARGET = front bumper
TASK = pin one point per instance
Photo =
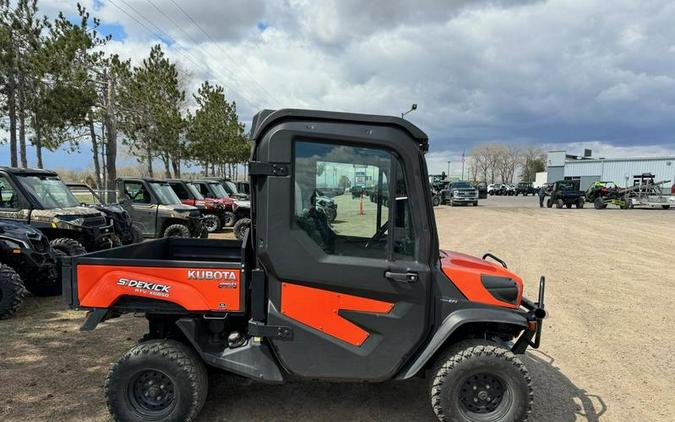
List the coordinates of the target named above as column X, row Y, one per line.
column 99, row 237
column 535, row 317
column 197, row 228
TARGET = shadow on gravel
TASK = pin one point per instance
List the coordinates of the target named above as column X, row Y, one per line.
column 556, row 397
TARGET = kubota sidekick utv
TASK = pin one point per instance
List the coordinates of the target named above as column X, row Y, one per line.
column 367, row 298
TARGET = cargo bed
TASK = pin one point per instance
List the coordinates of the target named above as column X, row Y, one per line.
column 169, row 275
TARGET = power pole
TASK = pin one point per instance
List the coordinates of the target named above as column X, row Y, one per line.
column 463, row 153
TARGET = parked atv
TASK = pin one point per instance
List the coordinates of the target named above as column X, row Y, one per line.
column 213, row 189
column 27, row 262
column 39, row 198
column 125, row 232
column 565, row 193
column 601, row 194
column 156, row 210
column 525, row 188
column 217, row 212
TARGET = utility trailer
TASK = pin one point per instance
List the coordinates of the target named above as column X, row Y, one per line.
column 647, row 193
column 370, row 299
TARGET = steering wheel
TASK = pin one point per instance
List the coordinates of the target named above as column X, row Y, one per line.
column 378, row 234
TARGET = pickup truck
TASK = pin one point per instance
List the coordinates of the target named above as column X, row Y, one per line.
column 370, row 299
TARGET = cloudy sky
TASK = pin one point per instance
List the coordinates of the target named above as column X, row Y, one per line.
column 564, row 74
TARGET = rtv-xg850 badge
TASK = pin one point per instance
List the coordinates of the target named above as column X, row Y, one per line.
column 153, row 289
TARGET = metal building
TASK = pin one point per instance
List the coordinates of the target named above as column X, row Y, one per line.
column 587, row 169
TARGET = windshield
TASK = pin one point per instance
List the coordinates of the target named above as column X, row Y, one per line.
column 461, row 185
column 194, row 190
column 84, row 195
column 164, row 193
column 230, row 187
column 218, row 190
column 49, row 191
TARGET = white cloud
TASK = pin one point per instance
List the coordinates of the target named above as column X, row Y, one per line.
column 558, row 71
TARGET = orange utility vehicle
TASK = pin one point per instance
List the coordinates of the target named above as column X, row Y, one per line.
column 367, row 298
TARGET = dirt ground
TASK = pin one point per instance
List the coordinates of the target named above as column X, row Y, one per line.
column 607, row 351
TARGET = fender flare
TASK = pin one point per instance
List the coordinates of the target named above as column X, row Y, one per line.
column 451, row 323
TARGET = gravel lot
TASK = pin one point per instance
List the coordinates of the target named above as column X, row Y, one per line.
column 607, row 351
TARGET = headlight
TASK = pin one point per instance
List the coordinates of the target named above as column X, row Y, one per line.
column 76, row 221
column 14, row 245
column 455, row 193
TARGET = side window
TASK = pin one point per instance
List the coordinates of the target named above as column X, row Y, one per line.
column 204, row 190
column 404, row 232
column 180, row 190
column 8, row 197
column 342, row 197
column 137, row 193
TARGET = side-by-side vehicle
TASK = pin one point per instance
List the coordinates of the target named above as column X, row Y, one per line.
column 369, row 298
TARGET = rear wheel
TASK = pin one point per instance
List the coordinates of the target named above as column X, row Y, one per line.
column 580, row 203
column 177, row 230
column 436, row 201
column 241, row 227
column 229, row 218
column 549, row 203
column 211, row 223
column 480, row 381
column 156, row 380
column 12, row 291
column 598, row 204
column 559, row 203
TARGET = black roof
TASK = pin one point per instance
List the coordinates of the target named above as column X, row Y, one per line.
column 213, row 181
column 266, row 118
column 145, row 179
column 26, row 171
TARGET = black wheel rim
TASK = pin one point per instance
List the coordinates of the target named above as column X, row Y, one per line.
column 484, row 396
column 152, row 393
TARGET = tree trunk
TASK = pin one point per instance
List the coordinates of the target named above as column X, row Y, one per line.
column 167, row 167
column 111, row 137
column 148, row 156
column 38, row 143
column 11, row 106
column 22, row 124
column 94, row 150
column 175, row 163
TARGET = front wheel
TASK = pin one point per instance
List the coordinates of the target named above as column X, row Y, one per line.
column 12, row 291
column 241, row 227
column 436, row 201
column 211, row 223
column 177, row 230
column 229, row 218
column 480, row 381
column 68, row 247
column 156, row 380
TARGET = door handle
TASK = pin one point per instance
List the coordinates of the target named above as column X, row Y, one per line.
column 408, row 277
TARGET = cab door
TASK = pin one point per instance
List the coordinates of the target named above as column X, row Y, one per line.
column 139, row 203
column 12, row 203
column 354, row 291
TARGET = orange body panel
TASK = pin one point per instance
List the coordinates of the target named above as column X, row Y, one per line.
column 465, row 272
column 195, row 289
column 319, row 309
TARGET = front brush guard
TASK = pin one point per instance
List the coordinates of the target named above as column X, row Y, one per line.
column 535, row 315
